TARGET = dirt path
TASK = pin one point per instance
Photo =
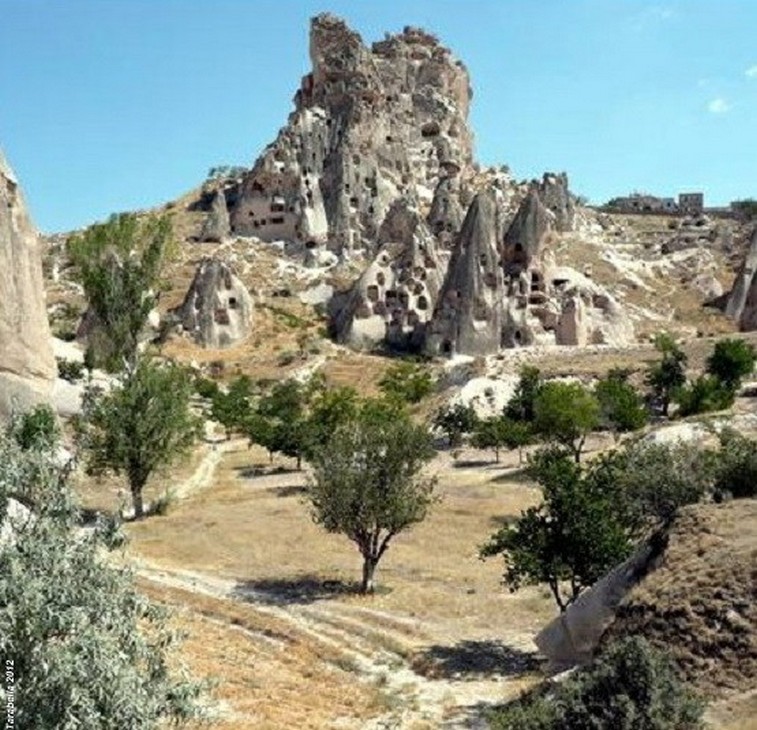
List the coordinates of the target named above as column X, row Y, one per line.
column 379, row 647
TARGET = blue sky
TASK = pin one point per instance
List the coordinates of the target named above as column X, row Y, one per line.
column 112, row 105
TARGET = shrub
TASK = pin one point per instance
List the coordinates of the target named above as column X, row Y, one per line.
column 707, row 393
column 36, row 429
column 731, row 361
column 629, row 686
column 622, row 408
column 456, row 420
column 736, row 466
column 407, row 381
column 71, row 370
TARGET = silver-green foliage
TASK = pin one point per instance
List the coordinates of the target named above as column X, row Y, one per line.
column 368, row 482
column 87, row 650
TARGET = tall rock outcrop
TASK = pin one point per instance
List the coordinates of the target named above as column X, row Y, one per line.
column 468, row 316
column 216, row 227
column 217, row 309
column 392, row 301
column 27, row 366
column 370, row 126
column 742, row 302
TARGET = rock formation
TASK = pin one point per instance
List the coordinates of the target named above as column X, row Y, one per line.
column 394, row 298
column 375, row 164
column 689, row 591
column 468, row 316
column 27, row 366
column 370, row 125
column 216, row 227
column 742, row 303
column 217, row 310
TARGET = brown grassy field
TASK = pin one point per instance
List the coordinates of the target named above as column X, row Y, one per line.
column 440, row 636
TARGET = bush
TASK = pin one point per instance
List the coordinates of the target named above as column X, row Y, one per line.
column 731, row 361
column 71, row 370
column 707, row 393
column 456, row 420
column 622, row 408
column 36, row 429
column 629, row 686
column 206, row 388
column 735, row 466
column 407, row 381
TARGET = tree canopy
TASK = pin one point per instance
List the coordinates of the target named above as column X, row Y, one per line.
column 367, row 481
column 144, row 423
column 118, row 264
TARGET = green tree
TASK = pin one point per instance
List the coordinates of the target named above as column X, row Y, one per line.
column 409, row 382
column 667, row 375
column 500, row 432
column 565, row 413
column 649, row 482
column 731, row 361
column 629, row 685
column 140, row 426
column 621, row 407
column 521, row 406
column 570, row 540
column 735, row 467
column 36, row 429
column 329, row 408
column 456, row 420
column 232, row 408
column 703, row 395
column 284, row 408
column 86, row 649
column 367, row 482
column 118, row 265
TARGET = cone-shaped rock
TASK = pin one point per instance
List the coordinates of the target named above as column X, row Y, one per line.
column 524, row 240
column 27, row 366
column 217, row 310
column 216, row 227
column 468, row 315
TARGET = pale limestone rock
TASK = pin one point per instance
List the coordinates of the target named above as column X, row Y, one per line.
column 217, row 309
column 27, row 366
column 216, row 227
column 370, row 125
column 742, row 302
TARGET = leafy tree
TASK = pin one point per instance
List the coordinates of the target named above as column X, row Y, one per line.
column 456, row 420
column 232, row 408
column 731, row 361
column 565, row 413
column 621, row 407
column 409, row 382
column 703, row 395
column 501, row 432
column 521, row 406
column 629, row 685
column 651, row 481
column 569, row 541
column 735, row 466
column 329, row 408
column 118, row 264
column 87, row 650
column 288, row 430
column 36, row 429
column 668, row 375
column 143, row 424
column 367, row 482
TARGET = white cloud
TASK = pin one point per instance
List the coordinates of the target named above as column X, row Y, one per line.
column 718, row 106
column 751, row 72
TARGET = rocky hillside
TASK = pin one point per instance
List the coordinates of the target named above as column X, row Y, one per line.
column 368, row 223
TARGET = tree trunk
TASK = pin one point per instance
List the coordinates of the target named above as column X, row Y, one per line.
column 299, row 462
column 136, row 498
column 369, row 568
column 496, row 455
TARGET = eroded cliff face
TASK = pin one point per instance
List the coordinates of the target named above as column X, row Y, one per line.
column 370, row 126
column 27, row 365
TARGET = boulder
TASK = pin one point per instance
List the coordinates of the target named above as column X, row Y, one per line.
column 217, row 309
column 27, row 366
